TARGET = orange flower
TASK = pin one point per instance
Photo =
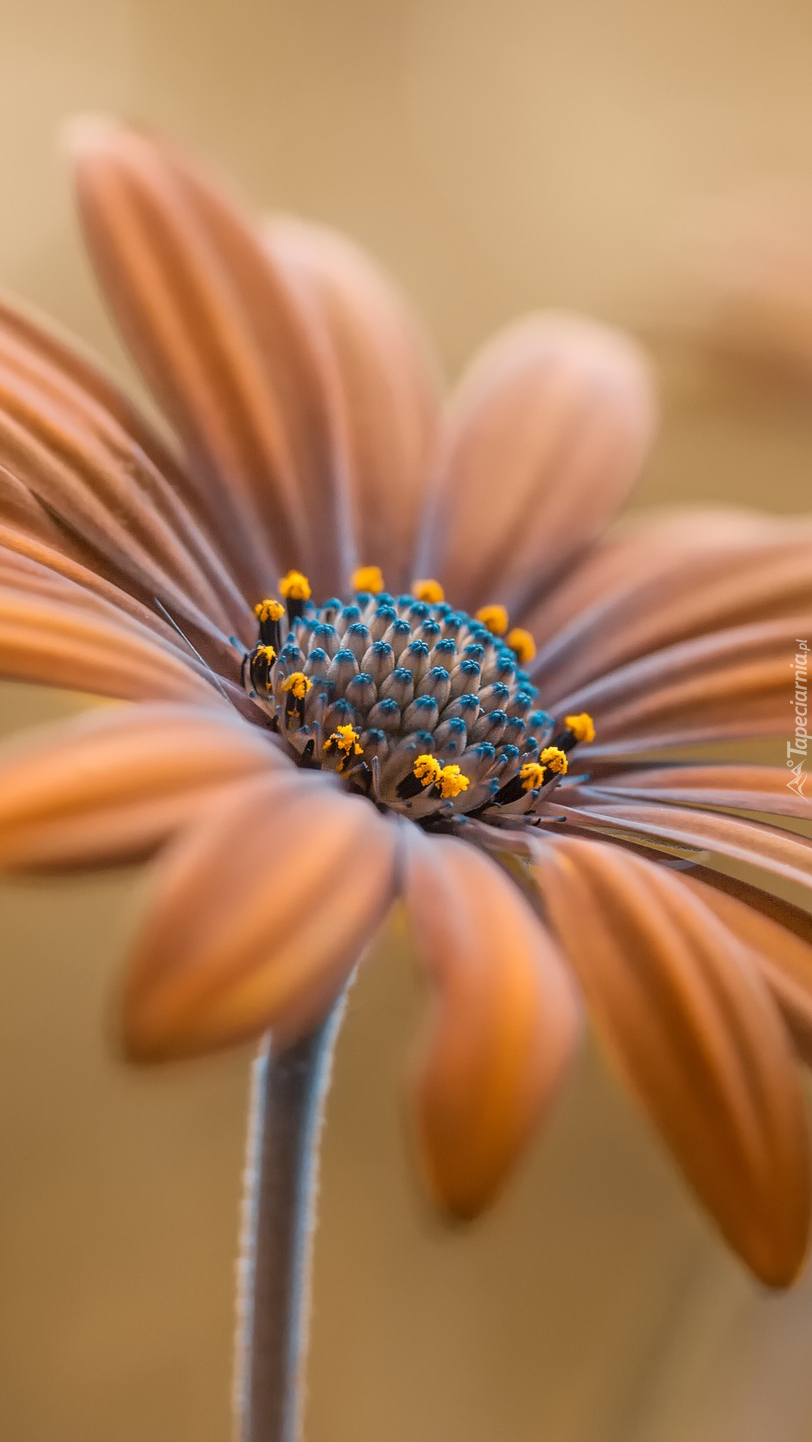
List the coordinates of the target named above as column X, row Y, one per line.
column 307, row 766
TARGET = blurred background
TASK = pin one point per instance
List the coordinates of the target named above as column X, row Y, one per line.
column 650, row 165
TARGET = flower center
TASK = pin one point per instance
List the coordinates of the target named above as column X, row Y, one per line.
column 421, row 707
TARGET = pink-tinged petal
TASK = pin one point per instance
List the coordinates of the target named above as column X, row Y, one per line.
column 738, row 788
column 34, row 572
column 388, row 382
column 692, row 1028
column 101, row 485
column 665, row 581
column 260, row 915
column 34, row 567
column 730, row 684
column 112, row 785
column 777, row 933
column 636, row 552
column 504, row 1023
column 546, row 436
column 752, row 842
column 72, row 639
column 226, row 344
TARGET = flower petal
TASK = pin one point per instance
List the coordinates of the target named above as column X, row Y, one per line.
column 504, row 1024
column 739, row 788
column 752, row 842
column 692, row 1029
column 102, row 487
column 33, row 567
column 777, row 933
column 227, row 346
column 112, row 785
column 728, row 684
column 638, row 548
column 664, row 581
column 546, row 436
column 72, row 639
column 260, row 915
column 388, row 382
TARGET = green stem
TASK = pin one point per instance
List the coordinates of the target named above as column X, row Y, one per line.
column 279, row 1219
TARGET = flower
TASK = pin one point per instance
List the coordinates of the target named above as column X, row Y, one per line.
column 307, row 751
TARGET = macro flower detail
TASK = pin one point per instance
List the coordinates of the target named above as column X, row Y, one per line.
column 394, row 644
column 419, row 707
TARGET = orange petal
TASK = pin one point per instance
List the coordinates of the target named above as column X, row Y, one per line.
column 777, row 933
column 31, row 567
column 388, row 384
column 692, row 1028
column 112, row 785
column 226, row 344
column 728, row 684
column 260, row 915
column 753, row 842
column 739, row 788
column 665, row 580
column 504, row 1024
column 546, row 437
column 71, row 638
column 100, row 484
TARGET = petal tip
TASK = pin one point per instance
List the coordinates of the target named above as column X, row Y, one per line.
column 89, row 133
column 142, row 1044
column 607, row 350
column 779, row 1261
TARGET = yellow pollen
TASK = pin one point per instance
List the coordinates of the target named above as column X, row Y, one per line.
column 495, row 618
column 269, row 610
column 427, row 769
column 295, row 587
column 451, row 782
column 522, row 643
column 367, row 578
column 345, row 739
column 555, row 758
column 582, row 727
column 298, row 683
column 429, row 591
column 267, row 653
column 532, row 776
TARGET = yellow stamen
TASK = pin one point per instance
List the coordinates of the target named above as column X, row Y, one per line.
column 269, row 610
column 295, row 587
column 555, row 758
column 367, row 578
column 532, row 776
column 345, row 739
column 429, row 591
column 582, row 727
column 427, row 769
column 495, row 618
column 451, row 782
column 267, row 653
column 522, row 643
column 298, row 683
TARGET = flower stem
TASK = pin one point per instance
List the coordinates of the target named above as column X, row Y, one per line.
column 287, row 1106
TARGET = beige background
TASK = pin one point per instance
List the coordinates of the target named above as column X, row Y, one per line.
column 499, row 155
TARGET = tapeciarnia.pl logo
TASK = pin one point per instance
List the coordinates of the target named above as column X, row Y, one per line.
column 799, row 748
